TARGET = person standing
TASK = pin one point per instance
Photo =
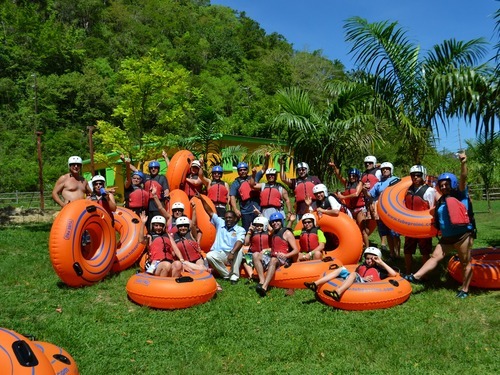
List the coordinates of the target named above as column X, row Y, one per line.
column 272, row 194
column 71, row 186
column 241, row 192
column 217, row 190
column 419, row 197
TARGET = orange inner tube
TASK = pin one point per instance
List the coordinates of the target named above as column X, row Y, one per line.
column 300, row 272
column 78, row 262
column 382, row 294
column 128, row 248
column 61, row 361
column 178, row 195
column 206, row 228
column 393, row 212
column 485, row 268
column 178, row 168
column 193, row 288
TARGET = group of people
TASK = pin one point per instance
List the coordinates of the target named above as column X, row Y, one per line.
column 173, row 238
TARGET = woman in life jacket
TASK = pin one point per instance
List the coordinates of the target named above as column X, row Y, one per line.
column 136, row 198
column 324, row 203
column 312, row 240
column 354, row 198
column 257, row 239
column 194, row 179
column 454, row 237
column 186, row 240
column 101, row 196
column 161, row 248
column 217, row 190
column 372, row 269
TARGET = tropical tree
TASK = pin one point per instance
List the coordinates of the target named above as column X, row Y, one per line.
column 407, row 82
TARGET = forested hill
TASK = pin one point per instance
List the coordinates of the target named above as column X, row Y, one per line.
column 66, row 64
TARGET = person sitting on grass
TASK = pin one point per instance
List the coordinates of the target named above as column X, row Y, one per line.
column 258, row 240
column 283, row 250
column 161, row 248
column 372, row 269
column 311, row 239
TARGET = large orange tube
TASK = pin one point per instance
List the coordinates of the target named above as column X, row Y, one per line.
column 178, row 168
column 485, row 268
column 128, row 248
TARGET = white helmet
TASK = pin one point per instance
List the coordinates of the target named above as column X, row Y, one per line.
column 271, row 171
column 98, row 177
column 261, row 220
column 374, row 251
column 371, row 159
column 303, row 165
column 75, row 160
column 183, row 220
column 387, row 165
column 310, row 217
column 178, row 205
column 419, row 169
column 158, row 219
column 320, row 188
column 196, row 163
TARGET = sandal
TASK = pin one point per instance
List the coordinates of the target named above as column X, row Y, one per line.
column 260, row 290
column 311, row 286
column 332, row 294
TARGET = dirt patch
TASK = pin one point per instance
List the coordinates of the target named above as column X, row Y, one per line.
column 16, row 215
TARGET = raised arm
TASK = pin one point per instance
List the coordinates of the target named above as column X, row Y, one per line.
column 336, row 170
column 206, row 206
column 383, row 264
column 463, row 170
column 283, row 176
column 128, row 177
column 159, row 204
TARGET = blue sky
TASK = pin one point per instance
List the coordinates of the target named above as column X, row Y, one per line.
column 318, row 25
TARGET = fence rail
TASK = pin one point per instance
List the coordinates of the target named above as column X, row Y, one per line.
column 31, row 199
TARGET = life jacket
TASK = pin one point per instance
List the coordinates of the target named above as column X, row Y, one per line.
column 103, row 202
column 365, row 271
column 325, row 204
column 355, row 202
column 190, row 189
column 217, row 192
column 270, row 196
column 245, row 190
column 188, row 247
column 414, row 199
column 158, row 184
column 303, row 187
column 460, row 216
column 160, row 248
column 138, row 198
column 369, row 176
column 309, row 240
column 259, row 241
column 278, row 243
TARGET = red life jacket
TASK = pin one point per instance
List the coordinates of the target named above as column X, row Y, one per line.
column 245, row 190
column 217, row 192
column 309, row 240
column 303, row 187
column 103, row 203
column 159, row 189
column 138, row 198
column 188, row 247
column 270, row 196
column 160, row 248
column 190, row 189
column 278, row 243
column 369, row 176
column 414, row 199
column 355, row 202
column 364, row 271
column 259, row 242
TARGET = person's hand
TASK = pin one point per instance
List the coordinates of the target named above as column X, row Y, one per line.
column 144, row 217
column 164, row 154
column 230, row 257
column 281, row 257
column 255, row 210
column 339, row 195
column 462, row 157
column 377, row 260
column 368, row 278
column 153, row 190
column 331, row 163
column 193, row 205
column 308, row 200
column 254, row 171
column 267, row 155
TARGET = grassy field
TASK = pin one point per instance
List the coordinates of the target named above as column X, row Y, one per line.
column 240, row 333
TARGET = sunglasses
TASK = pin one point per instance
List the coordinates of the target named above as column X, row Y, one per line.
column 75, row 165
column 183, row 226
column 302, row 169
column 417, row 175
column 242, row 169
column 368, row 162
column 177, row 210
column 307, row 222
column 274, row 221
column 98, row 184
column 154, row 168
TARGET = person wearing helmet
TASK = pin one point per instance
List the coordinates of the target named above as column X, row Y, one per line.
column 258, row 240
column 372, row 269
column 302, row 187
column 101, row 195
column 454, row 201
column 387, row 179
column 229, row 239
column 177, row 209
column 272, row 194
column 161, row 248
column 185, row 239
column 369, row 178
column 71, row 186
column 419, row 197
column 194, row 179
column 217, row 190
column 241, row 194
column 312, row 240
column 283, row 250
column 324, row 204
column 136, row 198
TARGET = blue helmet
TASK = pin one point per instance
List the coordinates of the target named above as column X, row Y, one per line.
column 241, row 165
column 449, row 176
column 138, row 173
column 276, row 216
column 354, row 171
column 217, row 168
column 153, row 164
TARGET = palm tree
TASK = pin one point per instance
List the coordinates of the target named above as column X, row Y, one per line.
column 407, row 82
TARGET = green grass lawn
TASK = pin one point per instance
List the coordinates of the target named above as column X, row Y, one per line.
column 240, row 333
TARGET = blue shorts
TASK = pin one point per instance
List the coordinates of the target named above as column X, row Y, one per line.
column 384, row 230
column 344, row 274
